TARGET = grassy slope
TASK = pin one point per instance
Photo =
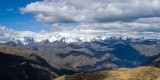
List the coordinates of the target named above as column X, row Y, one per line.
column 140, row 73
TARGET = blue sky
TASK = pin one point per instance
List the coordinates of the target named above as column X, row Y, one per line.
column 132, row 18
column 11, row 17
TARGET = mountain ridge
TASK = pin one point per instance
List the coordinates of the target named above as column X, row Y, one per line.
column 17, row 56
column 70, row 39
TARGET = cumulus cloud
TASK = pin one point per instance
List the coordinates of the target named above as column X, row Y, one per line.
column 5, row 34
column 8, row 34
column 85, row 32
column 53, row 11
column 132, row 29
column 131, row 18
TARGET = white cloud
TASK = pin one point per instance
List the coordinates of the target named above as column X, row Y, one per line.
column 128, row 29
column 53, row 11
column 5, row 34
column 131, row 18
column 8, row 34
column 84, row 31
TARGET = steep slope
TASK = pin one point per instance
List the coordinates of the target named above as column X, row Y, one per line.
column 140, row 73
column 19, row 64
column 18, row 68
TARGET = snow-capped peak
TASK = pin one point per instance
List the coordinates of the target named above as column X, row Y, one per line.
column 24, row 40
column 68, row 38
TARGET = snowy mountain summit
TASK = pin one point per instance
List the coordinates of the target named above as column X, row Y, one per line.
column 67, row 38
column 59, row 38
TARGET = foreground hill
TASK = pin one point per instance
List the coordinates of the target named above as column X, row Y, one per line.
column 19, row 64
column 140, row 73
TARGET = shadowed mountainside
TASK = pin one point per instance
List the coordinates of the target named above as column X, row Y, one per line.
column 95, row 56
column 14, row 67
column 153, row 61
column 19, row 64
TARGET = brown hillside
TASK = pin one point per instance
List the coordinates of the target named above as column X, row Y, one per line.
column 140, row 73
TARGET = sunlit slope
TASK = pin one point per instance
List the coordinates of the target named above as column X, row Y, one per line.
column 140, row 73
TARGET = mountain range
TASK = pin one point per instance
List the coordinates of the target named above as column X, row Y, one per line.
column 53, row 38
column 95, row 55
column 64, row 58
column 60, row 38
